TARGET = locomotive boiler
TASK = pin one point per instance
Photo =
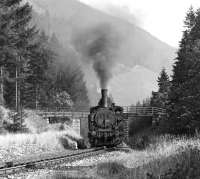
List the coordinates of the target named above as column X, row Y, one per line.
column 105, row 123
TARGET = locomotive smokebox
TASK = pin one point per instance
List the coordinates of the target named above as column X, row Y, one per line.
column 104, row 98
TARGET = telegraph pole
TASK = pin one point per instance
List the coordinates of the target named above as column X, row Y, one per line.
column 16, row 89
column 2, row 86
column 17, row 83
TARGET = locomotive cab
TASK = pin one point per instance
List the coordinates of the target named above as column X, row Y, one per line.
column 105, row 123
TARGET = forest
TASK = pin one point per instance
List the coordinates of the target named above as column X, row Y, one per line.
column 179, row 93
column 34, row 73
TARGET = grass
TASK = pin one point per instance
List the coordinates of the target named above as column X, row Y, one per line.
column 14, row 146
column 62, row 175
column 40, row 137
column 168, row 158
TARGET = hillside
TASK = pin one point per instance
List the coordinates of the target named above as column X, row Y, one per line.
column 70, row 19
column 134, row 85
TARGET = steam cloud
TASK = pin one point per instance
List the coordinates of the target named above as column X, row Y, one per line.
column 99, row 47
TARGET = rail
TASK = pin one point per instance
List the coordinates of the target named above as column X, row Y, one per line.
column 14, row 166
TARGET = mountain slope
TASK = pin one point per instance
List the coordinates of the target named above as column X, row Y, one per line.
column 133, row 86
column 127, row 87
column 69, row 19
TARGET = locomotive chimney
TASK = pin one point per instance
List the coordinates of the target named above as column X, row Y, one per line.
column 104, row 98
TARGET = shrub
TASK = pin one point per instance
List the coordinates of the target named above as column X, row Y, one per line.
column 33, row 122
column 139, row 142
column 67, row 143
column 138, row 124
column 111, row 169
column 171, row 158
column 186, row 169
column 14, row 124
column 81, row 144
column 62, row 175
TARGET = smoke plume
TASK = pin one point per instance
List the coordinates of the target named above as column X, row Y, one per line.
column 98, row 47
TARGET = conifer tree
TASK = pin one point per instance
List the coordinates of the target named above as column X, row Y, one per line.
column 163, row 81
column 160, row 98
column 3, row 46
column 66, row 76
column 20, row 38
column 35, row 68
column 184, row 97
column 36, row 81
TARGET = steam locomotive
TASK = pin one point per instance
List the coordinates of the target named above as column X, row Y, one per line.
column 105, row 123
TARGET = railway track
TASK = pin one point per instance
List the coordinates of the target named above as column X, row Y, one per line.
column 8, row 168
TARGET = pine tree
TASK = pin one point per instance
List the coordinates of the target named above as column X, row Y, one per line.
column 3, row 45
column 34, row 66
column 70, row 79
column 160, row 98
column 163, row 81
column 66, row 76
column 36, row 81
column 190, row 18
column 184, row 95
column 20, row 38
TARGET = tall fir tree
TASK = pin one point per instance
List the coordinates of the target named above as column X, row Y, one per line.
column 37, row 79
column 35, row 68
column 3, row 47
column 184, row 97
column 163, row 81
column 20, row 37
column 160, row 98
column 66, row 76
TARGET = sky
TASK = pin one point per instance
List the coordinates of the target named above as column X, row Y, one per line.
column 162, row 18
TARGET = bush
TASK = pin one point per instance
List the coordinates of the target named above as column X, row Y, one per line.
column 14, row 124
column 139, row 142
column 34, row 123
column 62, row 175
column 187, row 169
column 111, row 169
column 81, row 144
column 67, row 143
column 171, row 158
column 138, row 124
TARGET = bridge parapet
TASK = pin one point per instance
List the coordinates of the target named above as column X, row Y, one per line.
column 69, row 114
column 129, row 111
column 143, row 111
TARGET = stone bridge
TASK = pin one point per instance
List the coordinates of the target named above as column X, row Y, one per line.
column 79, row 118
column 129, row 111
